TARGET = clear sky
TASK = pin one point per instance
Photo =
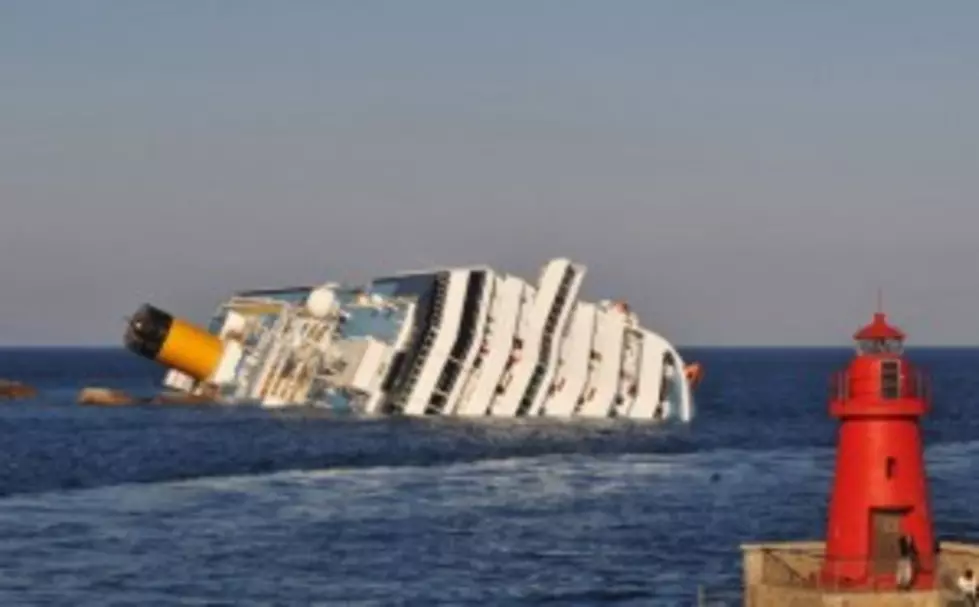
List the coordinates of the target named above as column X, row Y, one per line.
column 741, row 172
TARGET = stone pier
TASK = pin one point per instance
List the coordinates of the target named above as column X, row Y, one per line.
column 787, row 574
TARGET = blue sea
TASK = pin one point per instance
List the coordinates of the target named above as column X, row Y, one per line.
column 158, row 505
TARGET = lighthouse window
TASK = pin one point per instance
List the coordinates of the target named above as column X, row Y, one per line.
column 880, row 346
column 868, row 346
column 890, row 371
column 890, row 467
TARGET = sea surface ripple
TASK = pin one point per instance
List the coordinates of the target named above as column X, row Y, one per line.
column 239, row 506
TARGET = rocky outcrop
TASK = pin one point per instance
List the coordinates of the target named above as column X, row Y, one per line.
column 105, row 396
column 10, row 390
column 109, row 397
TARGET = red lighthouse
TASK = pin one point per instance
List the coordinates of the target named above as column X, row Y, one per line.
column 879, row 507
column 880, row 547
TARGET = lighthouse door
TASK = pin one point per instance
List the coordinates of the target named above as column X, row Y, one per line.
column 885, row 540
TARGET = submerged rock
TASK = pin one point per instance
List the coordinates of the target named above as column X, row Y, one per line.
column 181, row 398
column 10, row 390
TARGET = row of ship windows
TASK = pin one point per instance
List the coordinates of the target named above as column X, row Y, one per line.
column 463, row 342
column 407, row 364
column 547, row 339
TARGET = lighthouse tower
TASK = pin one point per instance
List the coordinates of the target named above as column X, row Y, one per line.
column 879, row 506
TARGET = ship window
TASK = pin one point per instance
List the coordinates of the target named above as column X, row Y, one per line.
column 890, row 387
column 436, row 404
column 448, row 377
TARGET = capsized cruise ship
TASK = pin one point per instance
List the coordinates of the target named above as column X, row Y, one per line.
column 456, row 341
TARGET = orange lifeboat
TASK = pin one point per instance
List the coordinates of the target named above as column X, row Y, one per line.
column 694, row 374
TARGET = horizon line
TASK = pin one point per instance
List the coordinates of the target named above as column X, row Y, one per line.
column 14, row 346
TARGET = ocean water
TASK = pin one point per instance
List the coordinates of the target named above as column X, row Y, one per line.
column 223, row 506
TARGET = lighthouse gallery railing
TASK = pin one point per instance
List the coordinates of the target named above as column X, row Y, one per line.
column 912, row 384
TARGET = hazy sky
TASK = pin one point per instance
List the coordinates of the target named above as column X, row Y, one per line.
column 741, row 172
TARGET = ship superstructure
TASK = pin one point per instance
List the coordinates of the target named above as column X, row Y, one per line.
column 456, row 341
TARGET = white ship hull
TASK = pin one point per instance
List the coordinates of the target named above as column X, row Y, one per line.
column 467, row 342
